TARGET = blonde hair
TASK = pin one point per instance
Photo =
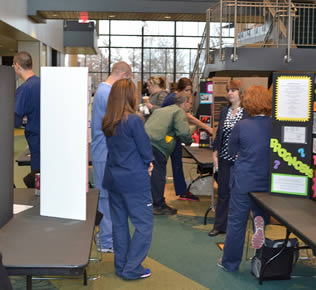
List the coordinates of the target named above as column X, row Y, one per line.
column 157, row 81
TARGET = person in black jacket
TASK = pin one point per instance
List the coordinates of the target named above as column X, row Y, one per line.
column 223, row 162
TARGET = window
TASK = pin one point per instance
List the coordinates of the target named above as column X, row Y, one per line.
column 159, row 28
column 124, row 27
column 169, row 48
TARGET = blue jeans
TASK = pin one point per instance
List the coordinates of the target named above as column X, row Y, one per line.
column 105, row 226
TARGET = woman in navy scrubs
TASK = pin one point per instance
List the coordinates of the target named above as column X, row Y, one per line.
column 250, row 143
column 127, row 178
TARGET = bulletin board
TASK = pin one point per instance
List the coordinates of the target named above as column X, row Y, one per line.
column 291, row 171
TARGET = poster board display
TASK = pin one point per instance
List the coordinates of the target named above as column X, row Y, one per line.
column 291, row 137
column 205, row 109
column 64, row 142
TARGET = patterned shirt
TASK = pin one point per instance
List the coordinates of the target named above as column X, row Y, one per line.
column 229, row 123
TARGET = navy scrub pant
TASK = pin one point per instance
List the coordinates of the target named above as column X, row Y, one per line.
column 158, row 178
column 240, row 205
column 180, row 185
column 223, row 194
column 129, row 252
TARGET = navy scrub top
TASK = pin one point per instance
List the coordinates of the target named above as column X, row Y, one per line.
column 129, row 155
column 27, row 103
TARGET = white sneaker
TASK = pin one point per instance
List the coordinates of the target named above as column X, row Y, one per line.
column 258, row 237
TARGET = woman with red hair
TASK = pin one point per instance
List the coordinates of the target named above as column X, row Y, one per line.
column 250, row 143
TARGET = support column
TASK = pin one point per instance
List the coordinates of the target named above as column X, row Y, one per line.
column 72, row 59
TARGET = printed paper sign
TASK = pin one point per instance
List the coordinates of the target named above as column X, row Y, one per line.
column 294, row 134
column 289, row 184
column 206, row 98
column 293, row 98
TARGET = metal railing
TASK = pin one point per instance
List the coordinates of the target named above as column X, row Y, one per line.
column 264, row 23
column 202, row 56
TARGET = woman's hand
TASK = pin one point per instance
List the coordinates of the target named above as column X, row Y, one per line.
column 150, row 168
column 215, row 160
column 149, row 105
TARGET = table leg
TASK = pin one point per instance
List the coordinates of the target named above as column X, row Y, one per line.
column 29, row 282
column 85, row 279
column 206, row 213
column 196, row 179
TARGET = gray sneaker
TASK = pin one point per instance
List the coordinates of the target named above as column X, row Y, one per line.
column 109, row 250
column 98, row 244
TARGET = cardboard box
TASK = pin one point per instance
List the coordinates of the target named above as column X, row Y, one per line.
column 219, row 86
column 251, row 81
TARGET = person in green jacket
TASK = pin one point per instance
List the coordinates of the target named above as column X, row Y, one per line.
column 164, row 127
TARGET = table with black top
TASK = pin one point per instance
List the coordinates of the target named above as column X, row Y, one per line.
column 24, row 159
column 32, row 244
column 297, row 214
column 204, row 158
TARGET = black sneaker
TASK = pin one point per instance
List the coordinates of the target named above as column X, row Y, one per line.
column 189, row 196
column 165, row 210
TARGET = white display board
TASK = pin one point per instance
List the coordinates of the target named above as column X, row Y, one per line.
column 64, row 162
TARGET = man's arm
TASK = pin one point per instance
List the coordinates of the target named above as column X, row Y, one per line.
column 21, row 106
column 194, row 121
column 181, row 126
column 18, row 121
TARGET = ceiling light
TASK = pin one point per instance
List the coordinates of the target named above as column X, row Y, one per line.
column 55, row 15
column 167, row 17
column 112, row 16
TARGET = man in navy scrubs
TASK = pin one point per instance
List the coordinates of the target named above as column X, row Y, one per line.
column 27, row 104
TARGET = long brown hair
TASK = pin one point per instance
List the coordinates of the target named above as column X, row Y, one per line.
column 183, row 83
column 121, row 103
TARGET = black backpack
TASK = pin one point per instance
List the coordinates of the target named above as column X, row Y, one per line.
column 269, row 263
